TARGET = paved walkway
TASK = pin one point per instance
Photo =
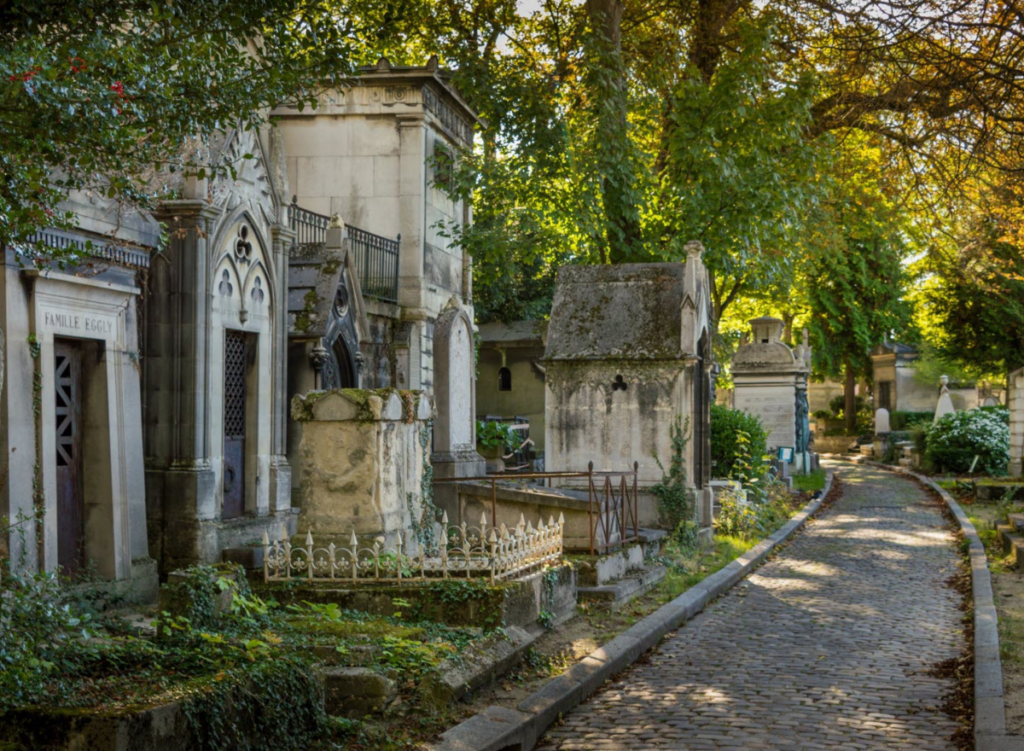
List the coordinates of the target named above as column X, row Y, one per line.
column 827, row 646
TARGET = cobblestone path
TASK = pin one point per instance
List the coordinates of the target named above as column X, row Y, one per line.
column 828, row 645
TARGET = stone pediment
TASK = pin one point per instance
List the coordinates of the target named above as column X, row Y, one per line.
column 248, row 183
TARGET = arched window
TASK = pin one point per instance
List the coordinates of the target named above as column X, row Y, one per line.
column 504, row 379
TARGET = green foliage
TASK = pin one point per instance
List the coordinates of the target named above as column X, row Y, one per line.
column 494, row 434
column 735, row 434
column 676, row 503
column 756, row 518
column 837, row 404
column 740, row 173
column 122, row 97
column 952, row 443
column 900, row 420
column 284, row 711
column 810, row 482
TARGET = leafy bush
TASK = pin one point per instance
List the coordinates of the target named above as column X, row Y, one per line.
column 676, row 503
column 838, row 405
column 491, row 434
column 758, row 517
column 903, row 420
column 734, row 434
column 952, row 443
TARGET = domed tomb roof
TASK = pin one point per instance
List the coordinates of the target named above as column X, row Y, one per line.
column 766, row 351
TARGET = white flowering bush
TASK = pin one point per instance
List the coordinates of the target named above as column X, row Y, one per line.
column 952, row 443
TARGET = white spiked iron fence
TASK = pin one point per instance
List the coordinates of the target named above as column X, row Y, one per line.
column 462, row 551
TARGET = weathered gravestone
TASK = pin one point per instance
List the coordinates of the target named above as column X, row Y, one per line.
column 363, row 461
column 882, row 421
column 1015, row 402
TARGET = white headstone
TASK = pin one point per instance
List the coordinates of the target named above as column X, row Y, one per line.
column 882, row 421
column 945, row 405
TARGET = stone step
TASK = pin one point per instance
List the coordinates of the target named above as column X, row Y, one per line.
column 616, row 594
column 1012, row 544
column 1016, row 521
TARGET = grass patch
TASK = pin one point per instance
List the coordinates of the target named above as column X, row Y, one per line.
column 810, row 482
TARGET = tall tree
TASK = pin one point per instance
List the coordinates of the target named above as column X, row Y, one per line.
column 104, row 95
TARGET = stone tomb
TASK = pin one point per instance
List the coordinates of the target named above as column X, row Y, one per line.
column 771, row 383
column 72, row 423
column 362, row 456
column 215, row 363
column 628, row 356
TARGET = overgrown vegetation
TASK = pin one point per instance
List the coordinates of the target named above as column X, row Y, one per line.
column 735, row 435
column 676, row 502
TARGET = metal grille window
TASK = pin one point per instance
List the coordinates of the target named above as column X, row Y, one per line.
column 65, row 399
column 235, row 350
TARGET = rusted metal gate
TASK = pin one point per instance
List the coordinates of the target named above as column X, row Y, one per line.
column 236, row 358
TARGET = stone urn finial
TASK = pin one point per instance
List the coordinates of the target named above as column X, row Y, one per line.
column 336, row 222
column 944, row 383
column 694, row 249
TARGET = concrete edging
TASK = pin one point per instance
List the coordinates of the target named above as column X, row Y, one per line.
column 499, row 728
column 989, row 707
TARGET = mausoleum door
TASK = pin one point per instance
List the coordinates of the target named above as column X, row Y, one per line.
column 236, row 365
column 70, row 486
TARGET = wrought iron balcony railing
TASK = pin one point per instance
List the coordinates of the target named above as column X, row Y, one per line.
column 375, row 256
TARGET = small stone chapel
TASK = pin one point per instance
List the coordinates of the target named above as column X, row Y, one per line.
column 628, row 356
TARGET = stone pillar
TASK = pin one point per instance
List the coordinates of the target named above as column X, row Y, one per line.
column 945, row 404
column 180, row 481
column 363, row 463
column 1015, row 401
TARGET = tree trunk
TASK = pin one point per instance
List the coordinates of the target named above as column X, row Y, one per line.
column 622, row 220
column 850, row 406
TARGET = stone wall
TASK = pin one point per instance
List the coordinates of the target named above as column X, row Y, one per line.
column 363, row 458
column 1016, row 403
column 590, row 418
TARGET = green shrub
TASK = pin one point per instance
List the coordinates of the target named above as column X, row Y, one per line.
column 903, row 420
column 952, row 443
column 838, row 405
column 676, row 503
column 727, row 446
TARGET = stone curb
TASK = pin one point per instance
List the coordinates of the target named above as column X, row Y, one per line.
column 989, row 708
column 502, row 729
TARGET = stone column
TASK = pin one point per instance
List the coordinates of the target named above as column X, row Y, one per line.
column 280, row 469
column 180, row 483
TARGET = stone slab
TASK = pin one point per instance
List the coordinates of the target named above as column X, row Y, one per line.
column 617, row 594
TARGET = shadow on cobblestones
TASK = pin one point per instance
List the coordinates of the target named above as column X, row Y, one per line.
column 833, row 643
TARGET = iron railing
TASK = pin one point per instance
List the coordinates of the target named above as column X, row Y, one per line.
column 613, row 503
column 376, row 259
column 498, row 553
column 309, row 227
column 375, row 256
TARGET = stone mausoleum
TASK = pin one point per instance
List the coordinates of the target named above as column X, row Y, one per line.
column 71, row 409
column 770, row 382
column 387, row 301
column 628, row 357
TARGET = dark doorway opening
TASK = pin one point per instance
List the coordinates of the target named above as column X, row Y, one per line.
column 238, row 358
column 70, row 479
